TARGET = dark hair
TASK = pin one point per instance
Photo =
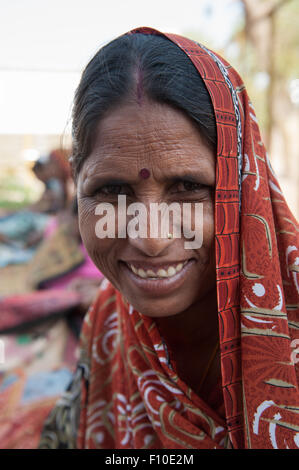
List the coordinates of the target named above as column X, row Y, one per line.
column 37, row 166
column 74, row 206
column 134, row 64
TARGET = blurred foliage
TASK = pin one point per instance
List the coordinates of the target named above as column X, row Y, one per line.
column 244, row 57
column 15, row 195
column 287, row 41
column 279, row 34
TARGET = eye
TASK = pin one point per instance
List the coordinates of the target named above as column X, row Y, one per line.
column 112, row 190
column 188, row 186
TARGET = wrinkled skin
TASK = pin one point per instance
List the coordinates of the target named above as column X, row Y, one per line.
column 167, row 143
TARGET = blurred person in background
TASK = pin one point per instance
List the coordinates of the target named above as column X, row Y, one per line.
column 54, row 171
column 22, row 231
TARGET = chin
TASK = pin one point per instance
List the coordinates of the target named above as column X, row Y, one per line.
column 159, row 308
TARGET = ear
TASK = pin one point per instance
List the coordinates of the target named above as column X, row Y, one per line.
column 73, row 169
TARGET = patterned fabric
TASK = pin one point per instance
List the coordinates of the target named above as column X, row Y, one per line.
column 58, row 255
column 131, row 396
column 22, row 309
column 60, row 428
column 13, row 279
column 38, row 368
column 20, row 225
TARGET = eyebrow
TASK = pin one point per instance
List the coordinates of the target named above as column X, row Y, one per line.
column 185, row 177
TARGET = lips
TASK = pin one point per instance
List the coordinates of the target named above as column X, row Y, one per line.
column 157, row 280
column 157, row 272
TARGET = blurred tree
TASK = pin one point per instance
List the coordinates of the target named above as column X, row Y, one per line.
column 269, row 41
column 263, row 47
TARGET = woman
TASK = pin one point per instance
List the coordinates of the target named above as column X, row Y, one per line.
column 54, row 171
column 21, row 232
column 184, row 347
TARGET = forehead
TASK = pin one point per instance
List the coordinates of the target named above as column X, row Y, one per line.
column 153, row 135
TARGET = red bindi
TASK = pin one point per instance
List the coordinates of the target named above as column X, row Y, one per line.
column 144, row 173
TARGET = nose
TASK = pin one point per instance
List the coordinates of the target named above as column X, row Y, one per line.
column 156, row 228
column 152, row 237
column 151, row 246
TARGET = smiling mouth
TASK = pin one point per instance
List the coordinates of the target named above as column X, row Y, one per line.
column 158, row 272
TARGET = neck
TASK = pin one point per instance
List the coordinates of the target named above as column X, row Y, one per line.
column 196, row 326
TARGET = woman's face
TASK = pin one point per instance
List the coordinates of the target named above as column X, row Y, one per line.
column 159, row 276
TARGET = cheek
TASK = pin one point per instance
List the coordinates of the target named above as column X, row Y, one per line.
column 102, row 251
column 201, row 220
column 97, row 248
column 87, row 220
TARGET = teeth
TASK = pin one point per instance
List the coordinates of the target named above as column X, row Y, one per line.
column 150, row 273
column 141, row 273
column 161, row 273
column 171, row 271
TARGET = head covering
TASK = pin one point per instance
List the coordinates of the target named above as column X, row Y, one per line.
column 61, row 158
column 130, row 395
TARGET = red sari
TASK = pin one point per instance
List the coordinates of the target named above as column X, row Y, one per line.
column 131, row 396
